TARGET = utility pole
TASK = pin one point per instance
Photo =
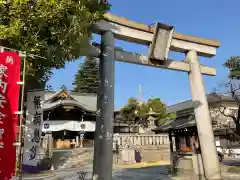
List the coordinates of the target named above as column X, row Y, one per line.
column 205, row 133
column 103, row 142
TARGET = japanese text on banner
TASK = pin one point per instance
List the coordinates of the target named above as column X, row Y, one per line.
column 37, row 119
column 9, row 101
column 33, row 130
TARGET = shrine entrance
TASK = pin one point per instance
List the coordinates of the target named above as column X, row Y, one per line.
column 161, row 39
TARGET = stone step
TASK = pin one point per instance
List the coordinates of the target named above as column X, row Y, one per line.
column 77, row 158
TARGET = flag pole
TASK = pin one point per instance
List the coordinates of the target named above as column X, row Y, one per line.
column 19, row 144
column 18, row 167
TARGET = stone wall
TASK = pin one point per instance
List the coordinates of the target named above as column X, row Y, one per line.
column 81, row 156
column 142, row 154
column 130, row 149
column 141, row 148
column 153, row 154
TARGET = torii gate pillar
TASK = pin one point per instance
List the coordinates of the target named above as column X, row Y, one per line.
column 204, row 126
column 102, row 167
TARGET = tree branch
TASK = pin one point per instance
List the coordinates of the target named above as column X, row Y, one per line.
column 223, row 112
column 233, row 91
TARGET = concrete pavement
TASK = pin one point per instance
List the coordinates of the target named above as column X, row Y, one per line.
column 145, row 173
column 137, row 172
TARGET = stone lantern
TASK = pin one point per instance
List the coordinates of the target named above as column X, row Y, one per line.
column 151, row 117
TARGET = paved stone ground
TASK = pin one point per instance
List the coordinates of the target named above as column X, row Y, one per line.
column 146, row 173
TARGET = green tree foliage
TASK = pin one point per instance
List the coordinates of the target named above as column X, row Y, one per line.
column 135, row 112
column 49, row 88
column 56, row 29
column 233, row 64
column 63, row 87
column 86, row 78
column 129, row 111
column 160, row 109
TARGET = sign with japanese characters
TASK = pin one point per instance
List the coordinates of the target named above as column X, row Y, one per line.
column 9, row 100
column 33, row 128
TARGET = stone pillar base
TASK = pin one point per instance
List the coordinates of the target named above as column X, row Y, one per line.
column 127, row 156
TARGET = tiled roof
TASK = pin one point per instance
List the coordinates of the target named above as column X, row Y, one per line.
column 180, row 123
column 51, row 105
column 188, row 119
column 82, row 100
column 212, row 98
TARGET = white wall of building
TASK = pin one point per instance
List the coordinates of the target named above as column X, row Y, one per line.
column 87, row 126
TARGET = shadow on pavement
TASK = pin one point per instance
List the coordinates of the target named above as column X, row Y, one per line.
column 231, row 162
column 145, row 173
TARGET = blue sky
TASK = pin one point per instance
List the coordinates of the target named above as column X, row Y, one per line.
column 214, row 19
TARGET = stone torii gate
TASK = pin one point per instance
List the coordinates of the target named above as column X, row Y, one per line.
column 160, row 40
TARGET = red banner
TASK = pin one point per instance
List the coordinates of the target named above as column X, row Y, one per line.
column 9, row 97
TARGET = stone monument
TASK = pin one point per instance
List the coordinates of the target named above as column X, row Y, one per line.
column 151, row 117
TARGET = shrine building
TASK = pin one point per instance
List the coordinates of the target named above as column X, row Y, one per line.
column 183, row 135
column 71, row 116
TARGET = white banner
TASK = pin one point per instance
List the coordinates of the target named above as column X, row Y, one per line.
column 53, row 125
column 33, row 129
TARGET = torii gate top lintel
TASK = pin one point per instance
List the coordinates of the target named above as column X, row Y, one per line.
column 131, row 31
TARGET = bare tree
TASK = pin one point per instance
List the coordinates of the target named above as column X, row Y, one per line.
column 224, row 117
